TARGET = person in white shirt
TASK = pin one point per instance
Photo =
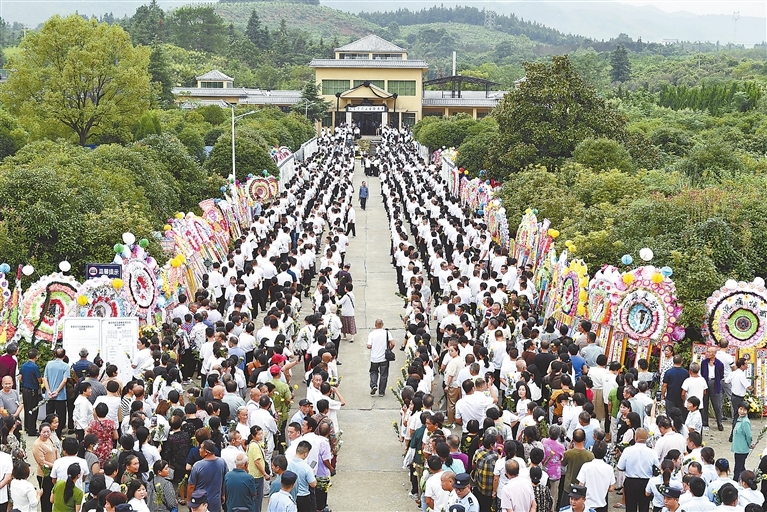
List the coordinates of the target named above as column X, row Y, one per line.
column 83, row 411
column 143, row 359
column 379, row 340
column 434, row 495
column 472, row 406
column 694, row 385
column 740, row 385
column 597, row 476
column 111, row 400
column 69, row 446
column 230, row 453
column 518, row 493
column 23, row 494
column 181, row 310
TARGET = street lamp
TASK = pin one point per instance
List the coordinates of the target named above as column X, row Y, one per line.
column 338, row 103
column 396, row 118
column 306, row 107
column 233, row 176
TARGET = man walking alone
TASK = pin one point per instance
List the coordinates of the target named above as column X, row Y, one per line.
column 378, row 341
column 364, row 193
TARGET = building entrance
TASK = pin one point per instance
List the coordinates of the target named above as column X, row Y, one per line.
column 369, row 122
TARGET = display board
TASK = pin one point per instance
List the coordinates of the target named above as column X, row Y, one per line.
column 113, row 338
column 615, row 350
column 643, row 350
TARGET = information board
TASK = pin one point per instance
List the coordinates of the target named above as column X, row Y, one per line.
column 81, row 333
column 118, row 343
column 113, row 338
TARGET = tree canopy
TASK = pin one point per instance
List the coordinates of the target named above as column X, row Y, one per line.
column 547, row 116
column 80, row 74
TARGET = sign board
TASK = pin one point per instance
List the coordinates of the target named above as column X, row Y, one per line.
column 760, row 370
column 615, row 349
column 111, row 270
column 118, row 343
column 81, row 333
column 643, row 350
column 368, row 108
column 698, row 352
column 113, row 338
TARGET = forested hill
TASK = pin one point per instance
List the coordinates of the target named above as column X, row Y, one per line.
column 509, row 24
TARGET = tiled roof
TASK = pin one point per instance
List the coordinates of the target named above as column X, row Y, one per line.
column 215, row 75
column 362, row 63
column 467, row 99
column 194, row 91
column 246, row 96
column 371, row 43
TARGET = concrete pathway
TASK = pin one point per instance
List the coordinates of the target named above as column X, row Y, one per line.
column 370, row 474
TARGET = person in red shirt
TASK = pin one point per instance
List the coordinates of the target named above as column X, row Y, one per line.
column 8, row 362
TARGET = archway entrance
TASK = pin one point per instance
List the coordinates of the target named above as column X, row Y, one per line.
column 368, row 122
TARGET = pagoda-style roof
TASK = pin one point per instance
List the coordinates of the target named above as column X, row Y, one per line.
column 373, row 44
column 215, row 75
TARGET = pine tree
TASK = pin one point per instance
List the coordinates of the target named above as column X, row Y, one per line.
column 257, row 34
column 621, row 66
column 311, row 104
column 159, row 69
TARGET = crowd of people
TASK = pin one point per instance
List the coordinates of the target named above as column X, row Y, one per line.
column 273, row 315
column 503, row 409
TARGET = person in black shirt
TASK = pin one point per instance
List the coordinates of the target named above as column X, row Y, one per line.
column 97, row 494
column 543, row 359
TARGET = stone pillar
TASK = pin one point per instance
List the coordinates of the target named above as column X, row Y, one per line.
column 384, row 118
column 348, row 118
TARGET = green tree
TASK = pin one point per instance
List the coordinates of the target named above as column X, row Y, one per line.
column 79, row 73
column 603, row 154
column 251, row 153
column 448, row 132
column 620, row 65
column 256, row 33
column 162, row 82
column 147, row 26
column 148, row 124
column 311, row 105
column 547, row 116
column 190, row 180
column 472, row 153
column 198, row 28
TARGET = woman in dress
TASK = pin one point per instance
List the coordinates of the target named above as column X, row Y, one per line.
column 105, row 431
column 45, row 454
column 543, row 499
column 553, row 451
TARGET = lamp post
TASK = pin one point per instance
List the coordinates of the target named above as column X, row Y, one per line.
column 396, row 118
column 338, row 104
column 233, row 176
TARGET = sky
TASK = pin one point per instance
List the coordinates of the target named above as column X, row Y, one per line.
column 756, row 8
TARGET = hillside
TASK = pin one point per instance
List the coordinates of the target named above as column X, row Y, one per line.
column 318, row 21
column 602, row 20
